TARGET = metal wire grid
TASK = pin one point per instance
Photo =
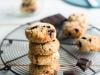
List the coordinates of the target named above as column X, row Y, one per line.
column 14, row 49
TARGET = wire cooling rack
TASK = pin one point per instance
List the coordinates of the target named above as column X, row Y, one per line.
column 14, row 50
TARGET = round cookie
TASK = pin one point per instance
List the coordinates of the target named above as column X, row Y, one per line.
column 44, row 70
column 40, row 32
column 28, row 6
column 78, row 17
column 89, row 43
column 74, row 29
column 28, row 1
column 43, row 59
column 45, row 48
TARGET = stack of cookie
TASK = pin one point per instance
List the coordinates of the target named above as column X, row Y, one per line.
column 28, row 6
column 43, row 49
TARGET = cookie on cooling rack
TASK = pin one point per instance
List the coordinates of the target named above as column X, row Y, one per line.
column 28, row 6
column 78, row 17
column 74, row 29
column 45, row 48
column 89, row 43
column 43, row 59
column 44, row 70
column 41, row 32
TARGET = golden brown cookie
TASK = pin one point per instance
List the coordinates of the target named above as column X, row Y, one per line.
column 40, row 32
column 44, row 48
column 44, row 70
column 89, row 43
column 74, row 29
column 80, row 17
column 43, row 59
column 28, row 6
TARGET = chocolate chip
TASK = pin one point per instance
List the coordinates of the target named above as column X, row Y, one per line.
column 83, row 63
column 84, row 38
column 34, row 27
column 69, row 34
column 47, row 72
column 76, row 30
column 79, row 44
column 68, row 73
column 91, row 50
column 32, row 10
column 48, row 26
column 43, row 26
column 53, row 40
column 90, row 40
column 50, row 32
column 25, row 5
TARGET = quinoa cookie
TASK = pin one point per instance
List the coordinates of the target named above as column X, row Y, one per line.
column 28, row 6
column 78, row 17
column 43, row 59
column 74, row 29
column 44, row 48
column 44, row 70
column 41, row 32
column 89, row 43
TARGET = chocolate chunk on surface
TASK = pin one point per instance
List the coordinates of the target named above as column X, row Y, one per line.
column 83, row 63
column 68, row 73
column 57, row 20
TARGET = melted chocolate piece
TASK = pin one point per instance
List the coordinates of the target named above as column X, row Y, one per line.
column 83, row 63
column 34, row 27
column 90, row 40
column 57, row 20
column 50, row 32
column 69, row 34
column 48, row 26
column 83, row 37
column 76, row 30
column 68, row 73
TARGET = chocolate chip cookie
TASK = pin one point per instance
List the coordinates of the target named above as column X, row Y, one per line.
column 44, row 48
column 80, row 17
column 28, row 6
column 74, row 29
column 44, row 70
column 89, row 43
column 40, row 32
column 43, row 59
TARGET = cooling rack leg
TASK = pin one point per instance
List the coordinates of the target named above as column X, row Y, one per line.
column 1, row 52
column 10, row 41
column 6, row 68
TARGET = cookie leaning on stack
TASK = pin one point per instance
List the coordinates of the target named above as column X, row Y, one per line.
column 76, row 26
column 43, row 49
